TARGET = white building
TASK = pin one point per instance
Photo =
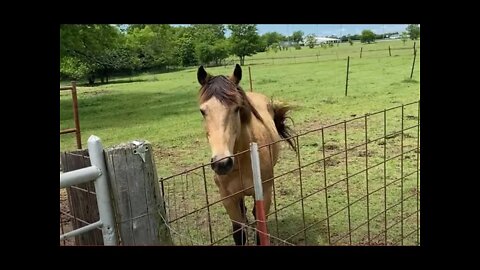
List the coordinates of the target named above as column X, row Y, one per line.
column 327, row 40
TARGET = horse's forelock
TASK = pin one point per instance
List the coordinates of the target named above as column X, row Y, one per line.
column 228, row 93
column 221, row 88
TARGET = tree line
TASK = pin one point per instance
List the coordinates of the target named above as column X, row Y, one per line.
column 96, row 51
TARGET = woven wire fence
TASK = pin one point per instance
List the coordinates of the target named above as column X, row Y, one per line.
column 355, row 182
column 330, row 54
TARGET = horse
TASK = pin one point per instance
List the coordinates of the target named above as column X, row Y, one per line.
column 232, row 119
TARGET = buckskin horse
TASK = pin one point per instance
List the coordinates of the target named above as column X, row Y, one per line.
column 233, row 119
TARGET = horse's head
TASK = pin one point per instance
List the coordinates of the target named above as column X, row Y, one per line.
column 224, row 107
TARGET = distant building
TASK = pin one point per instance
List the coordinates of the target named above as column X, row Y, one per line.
column 327, row 40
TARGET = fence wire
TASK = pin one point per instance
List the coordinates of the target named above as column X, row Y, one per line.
column 355, row 182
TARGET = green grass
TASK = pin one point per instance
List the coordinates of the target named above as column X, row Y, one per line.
column 163, row 109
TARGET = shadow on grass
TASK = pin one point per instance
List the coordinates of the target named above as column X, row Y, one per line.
column 291, row 229
column 111, row 109
column 123, row 80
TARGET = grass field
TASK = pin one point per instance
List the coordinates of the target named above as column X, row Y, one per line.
column 163, row 109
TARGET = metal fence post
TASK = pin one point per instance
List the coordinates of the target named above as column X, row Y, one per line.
column 257, row 186
column 105, row 209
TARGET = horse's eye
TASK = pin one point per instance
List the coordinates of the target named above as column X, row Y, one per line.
column 203, row 112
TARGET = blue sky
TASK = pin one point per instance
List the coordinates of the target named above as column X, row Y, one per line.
column 327, row 29
column 330, row 29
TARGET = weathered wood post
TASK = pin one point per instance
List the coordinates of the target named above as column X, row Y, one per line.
column 250, row 77
column 81, row 198
column 78, row 135
column 346, row 81
column 413, row 64
column 137, row 199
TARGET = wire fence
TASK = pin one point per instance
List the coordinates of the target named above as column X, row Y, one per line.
column 327, row 54
column 355, row 182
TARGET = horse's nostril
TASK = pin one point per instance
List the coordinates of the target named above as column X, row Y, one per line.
column 229, row 162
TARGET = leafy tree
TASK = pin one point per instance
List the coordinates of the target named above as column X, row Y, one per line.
column 208, row 33
column 367, row 36
column 297, row 36
column 154, row 45
column 275, row 47
column 220, row 51
column 88, row 44
column 310, row 41
column 185, row 44
column 414, row 31
column 72, row 68
column 244, row 40
column 272, row 37
column 210, row 43
column 404, row 37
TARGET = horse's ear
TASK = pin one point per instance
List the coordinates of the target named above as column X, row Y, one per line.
column 202, row 76
column 237, row 74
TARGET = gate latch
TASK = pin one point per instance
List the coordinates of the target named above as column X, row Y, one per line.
column 141, row 149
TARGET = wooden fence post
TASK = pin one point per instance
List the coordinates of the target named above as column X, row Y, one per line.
column 138, row 201
column 250, row 77
column 346, row 81
column 82, row 199
column 78, row 135
column 413, row 64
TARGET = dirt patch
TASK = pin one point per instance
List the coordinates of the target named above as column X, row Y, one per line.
column 331, row 162
column 96, row 93
column 331, row 147
column 363, row 153
column 411, row 117
column 338, row 126
column 413, row 191
column 283, row 191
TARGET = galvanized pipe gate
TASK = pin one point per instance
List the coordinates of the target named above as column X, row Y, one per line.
column 97, row 173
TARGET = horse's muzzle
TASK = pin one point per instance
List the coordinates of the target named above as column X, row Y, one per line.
column 222, row 165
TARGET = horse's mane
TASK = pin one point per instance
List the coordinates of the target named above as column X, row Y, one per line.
column 228, row 93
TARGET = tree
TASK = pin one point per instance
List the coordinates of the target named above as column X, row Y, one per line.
column 272, row 37
column 220, row 51
column 244, row 40
column 210, row 43
column 414, row 31
column 88, row 44
column 404, row 37
column 310, row 41
column 154, row 45
column 185, row 44
column 208, row 33
column 367, row 36
column 297, row 36
column 72, row 68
